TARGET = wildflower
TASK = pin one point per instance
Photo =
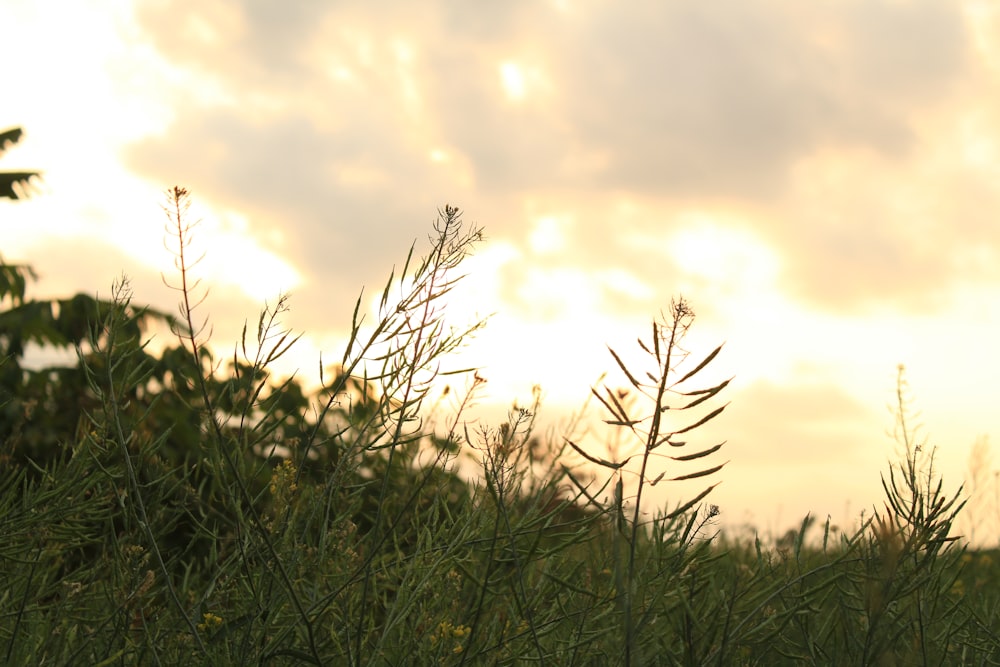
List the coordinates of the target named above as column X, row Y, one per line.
column 446, row 630
column 210, row 622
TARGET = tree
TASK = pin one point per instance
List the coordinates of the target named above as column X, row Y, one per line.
column 41, row 409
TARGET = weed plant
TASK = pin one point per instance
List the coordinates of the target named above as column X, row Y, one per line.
column 190, row 509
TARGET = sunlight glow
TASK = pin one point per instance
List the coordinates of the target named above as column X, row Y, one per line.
column 409, row 86
column 983, row 19
column 513, row 80
column 518, row 80
column 979, row 147
column 214, row 24
column 458, row 166
column 724, row 254
column 626, row 283
column 237, row 258
column 339, row 72
column 548, row 235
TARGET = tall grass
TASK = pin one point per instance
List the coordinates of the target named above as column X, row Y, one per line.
column 206, row 512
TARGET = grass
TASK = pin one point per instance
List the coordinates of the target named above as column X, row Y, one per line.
column 204, row 512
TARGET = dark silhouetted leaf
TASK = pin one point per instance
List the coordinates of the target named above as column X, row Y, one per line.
column 698, row 455
column 621, row 365
column 11, row 136
column 705, row 394
column 700, row 473
column 711, row 415
column 593, row 459
column 691, row 503
column 14, row 184
column 704, row 363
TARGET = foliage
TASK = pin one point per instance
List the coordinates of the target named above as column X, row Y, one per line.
column 178, row 508
column 14, row 184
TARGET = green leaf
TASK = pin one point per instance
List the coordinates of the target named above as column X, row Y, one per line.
column 691, row 503
column 14, row 281
column 10, row 179
column 11, row 136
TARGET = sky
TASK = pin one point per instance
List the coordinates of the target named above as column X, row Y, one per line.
column 818, row 180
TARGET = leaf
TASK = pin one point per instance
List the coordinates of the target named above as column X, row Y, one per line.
column 704, row 363
column 705, row 394
column 619, row 422
column 691, row 503
column 665, row 439
column 385, row 292
column 406, row 264
column 618, row 404
column 711, row 415
column 583, row 490
column 700, row 473
column 260, row 324
column 22, row 179
column 355, row 330
column 244, row 339
column 643, row 346
column 594, row 459
column 698, row 455
column 11, row 136
column 14, row 281
column 656, row 343
column 606, row 404
column 621, row 365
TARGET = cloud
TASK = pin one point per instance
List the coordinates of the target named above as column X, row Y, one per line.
column 721, row 99
column 800, row 423
column 347, row 126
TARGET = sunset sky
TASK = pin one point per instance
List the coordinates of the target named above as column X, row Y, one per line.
column 818, row 179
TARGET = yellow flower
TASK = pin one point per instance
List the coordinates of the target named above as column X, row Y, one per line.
column 210, row 621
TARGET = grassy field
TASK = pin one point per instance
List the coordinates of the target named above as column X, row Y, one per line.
column 183, row 509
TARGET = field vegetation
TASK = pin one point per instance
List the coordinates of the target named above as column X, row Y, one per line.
column 179, row 507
